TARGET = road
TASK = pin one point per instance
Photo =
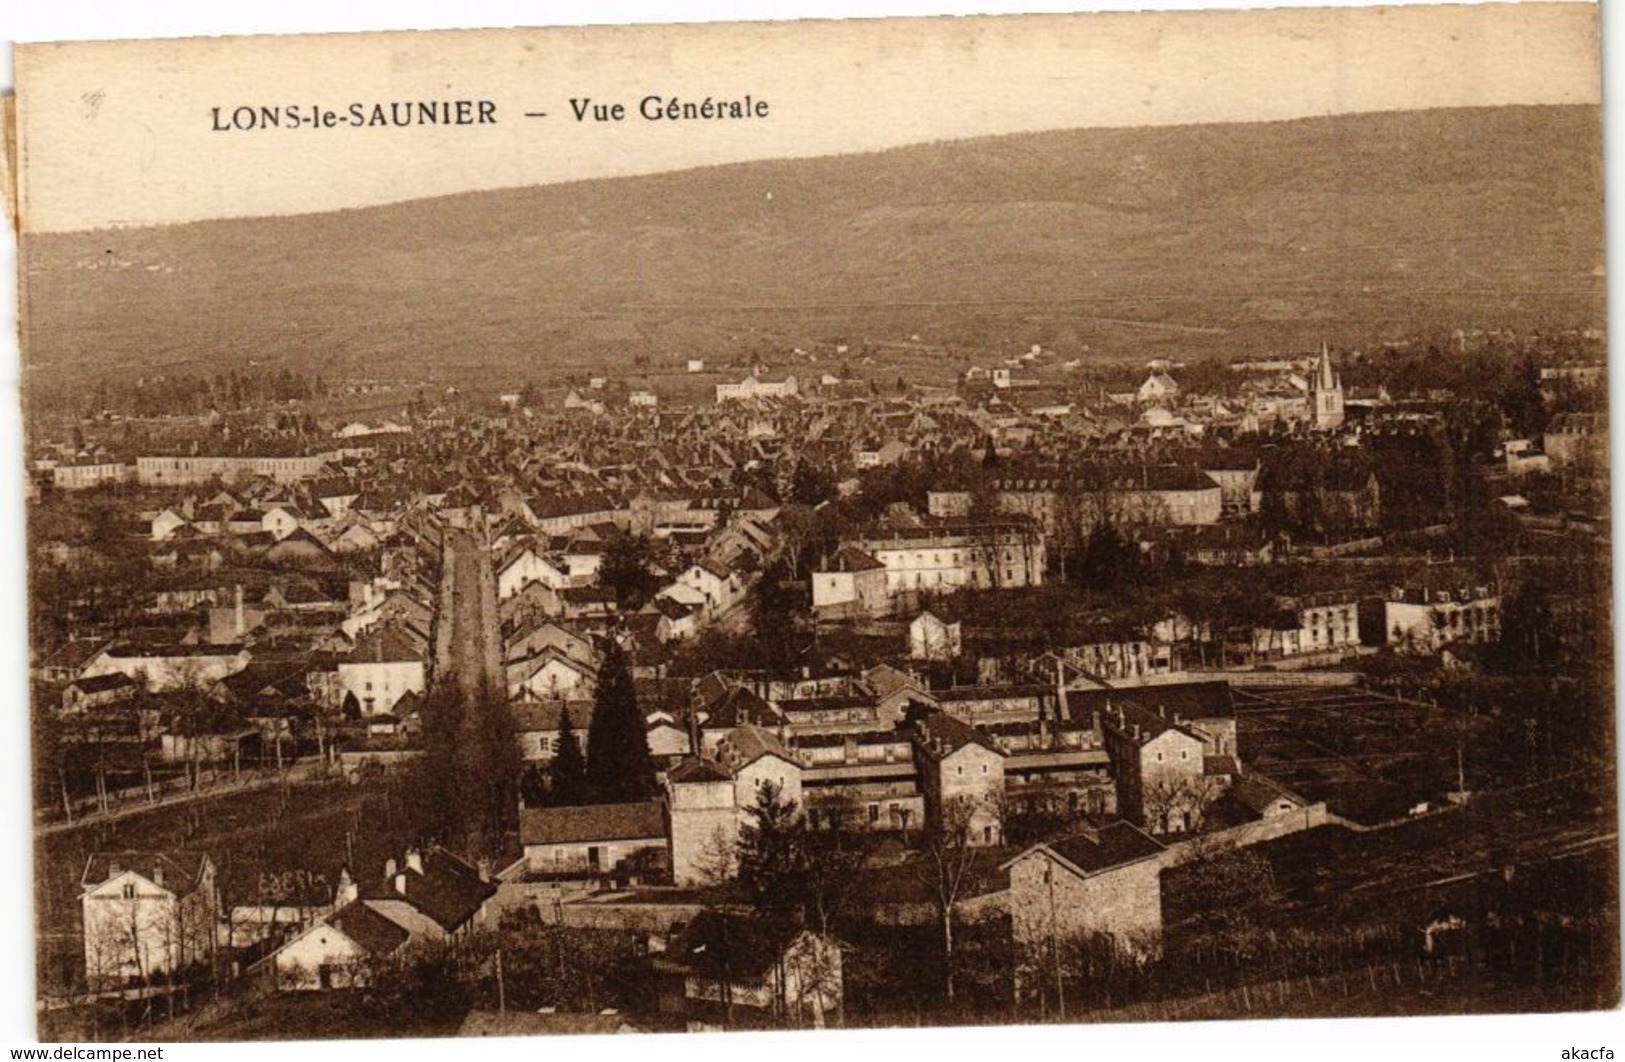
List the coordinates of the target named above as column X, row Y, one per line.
column 468, row 639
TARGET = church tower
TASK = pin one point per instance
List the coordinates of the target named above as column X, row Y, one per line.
column 1326, row 393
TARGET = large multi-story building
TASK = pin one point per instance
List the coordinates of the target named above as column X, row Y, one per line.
column 949, row 555
column 1433, row 609
column 85, row 477
column 1074, row 501
column 756, row 387
column 193, row 470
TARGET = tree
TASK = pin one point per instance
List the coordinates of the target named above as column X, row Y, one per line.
column 990, row 454
column 811, row 484
column 532, row 790
column 567, row 774
column 947, row 867
column 1181, row 803
column 773, row 856
column 836, row 859
column 627, row 571
column 1111, row 561
column 1523, row 403
column 773, row 617
column 718, row 862
column 618, row 766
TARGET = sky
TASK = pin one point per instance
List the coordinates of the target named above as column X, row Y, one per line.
column 119, row 134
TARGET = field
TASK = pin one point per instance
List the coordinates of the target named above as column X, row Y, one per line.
column 1370, row 757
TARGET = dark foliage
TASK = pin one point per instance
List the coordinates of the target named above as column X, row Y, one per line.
column 618, row 766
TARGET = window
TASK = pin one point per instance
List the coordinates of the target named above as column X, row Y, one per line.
column 874, row 812
column 984, row 768
column 1159, row 757
column 128, row 891
column 1184, row 754
column 960, row 770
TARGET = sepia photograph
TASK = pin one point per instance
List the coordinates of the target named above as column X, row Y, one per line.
column 1017, row 520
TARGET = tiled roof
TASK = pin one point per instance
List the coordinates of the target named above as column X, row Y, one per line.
column 696, row 770
column 448, row 890
column 1093, row 851
column 739, row 947
column 598, row 822
column 179, row 871
column 371, row 931
column 940, row 734
column 747, row 743
column 1189, row 700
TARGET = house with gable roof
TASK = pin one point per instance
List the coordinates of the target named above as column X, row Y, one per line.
column 961, row 776
column 387, row 662
column 592, row 841
column 853, row 580
column 1095, row 881
column 339, row 951
column 431, row 894
column 146, row 914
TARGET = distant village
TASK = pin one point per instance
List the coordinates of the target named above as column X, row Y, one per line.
column 802, row 697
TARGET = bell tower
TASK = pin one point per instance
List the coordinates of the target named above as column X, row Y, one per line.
column 1326, row 393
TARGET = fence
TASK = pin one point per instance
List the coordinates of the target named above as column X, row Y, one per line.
column 1292, row 678
column 1365, row 989
column 173, row 789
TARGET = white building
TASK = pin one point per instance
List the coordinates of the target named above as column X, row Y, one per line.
column 755, row 387
column 146, row 915
column 385, row 665
column 84, row 477
column 186, row 471
column 946, row 557
column 1425, row 617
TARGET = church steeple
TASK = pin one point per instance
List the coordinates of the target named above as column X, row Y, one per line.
column 1327, row 376
column 1326, row 393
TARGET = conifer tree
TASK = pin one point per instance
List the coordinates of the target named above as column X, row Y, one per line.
column 618, row 766
column 567, row 775
column 773, row 855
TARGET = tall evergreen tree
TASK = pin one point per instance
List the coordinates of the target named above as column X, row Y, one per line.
column 773, row 852
column 567, row 775
column 618, row 765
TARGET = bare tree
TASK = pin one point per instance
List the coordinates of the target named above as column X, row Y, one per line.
column 1181, row 800
column 718, row 861
column 947, row 867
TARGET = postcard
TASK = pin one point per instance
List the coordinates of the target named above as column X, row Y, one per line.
column 830, row 524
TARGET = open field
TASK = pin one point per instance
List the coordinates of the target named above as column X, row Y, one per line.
column 1370, row 757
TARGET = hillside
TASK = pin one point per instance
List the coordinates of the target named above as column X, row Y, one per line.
column 1136, row 242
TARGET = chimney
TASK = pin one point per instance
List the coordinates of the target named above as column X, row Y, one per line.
column 158, row 874
column 239, row 622
column 400, row 884
column 346, row 892
column 114, row 868
column 414, row 860
column 484, row 866
column 389, row 867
